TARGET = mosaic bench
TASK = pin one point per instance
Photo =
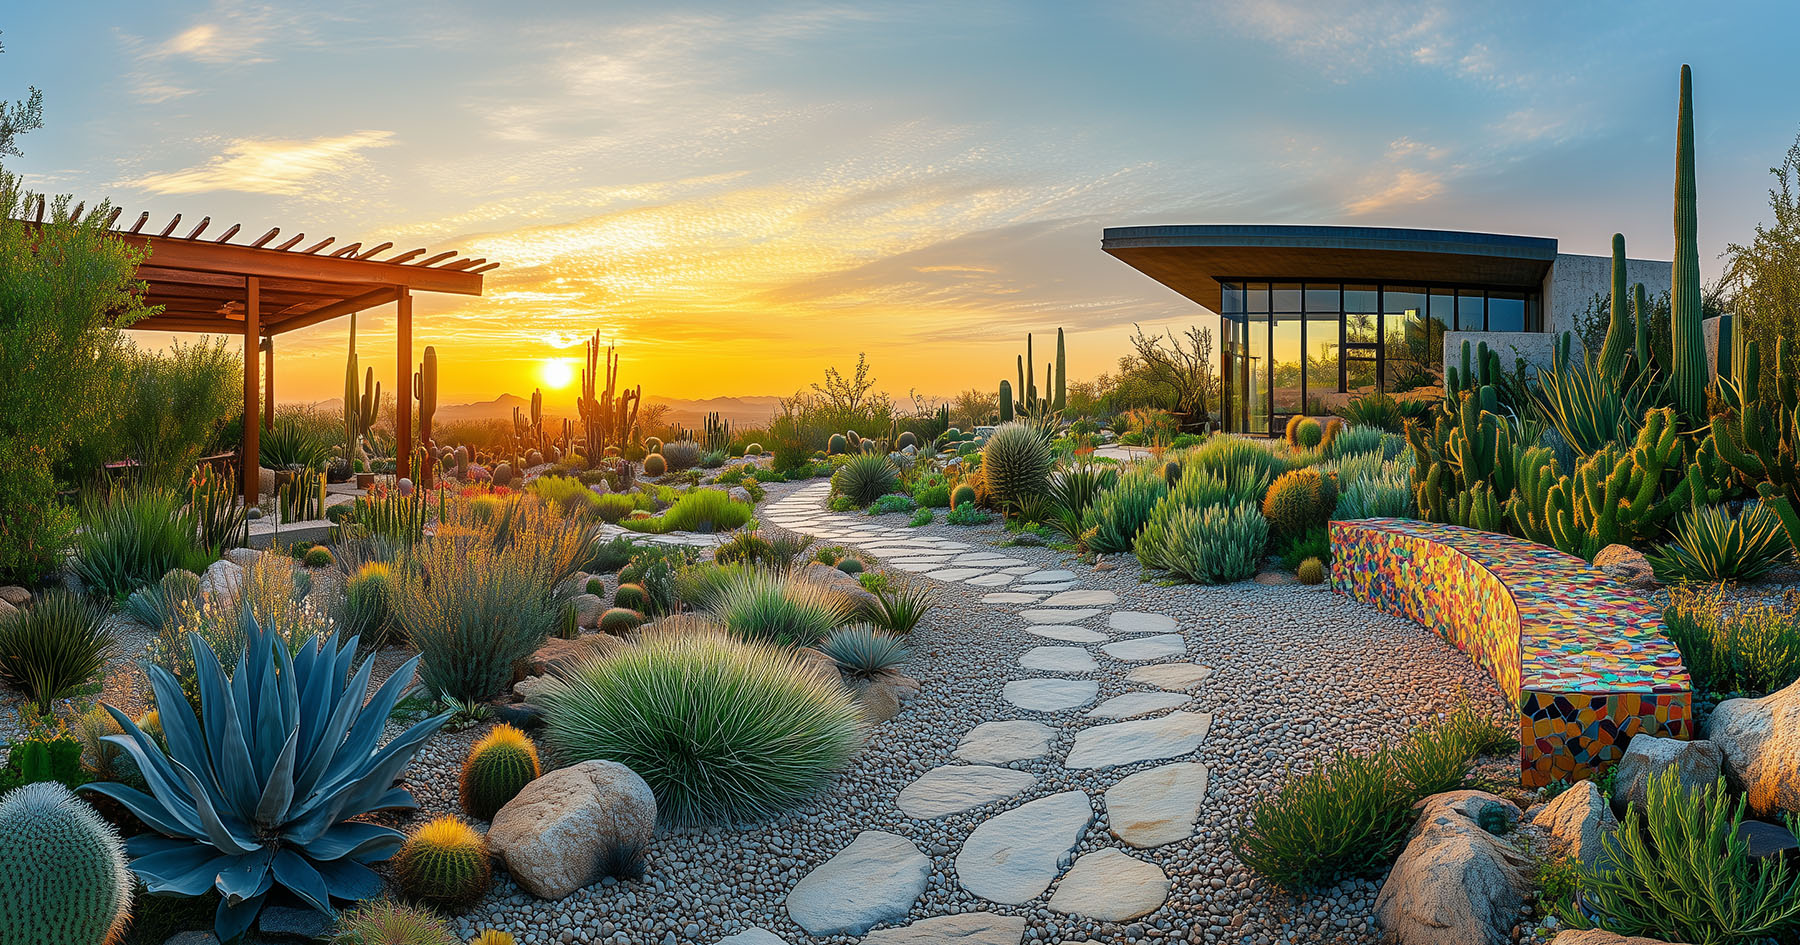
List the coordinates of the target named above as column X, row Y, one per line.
column 1585, row 661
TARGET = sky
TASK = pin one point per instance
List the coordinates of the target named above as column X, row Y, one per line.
column 742, row 194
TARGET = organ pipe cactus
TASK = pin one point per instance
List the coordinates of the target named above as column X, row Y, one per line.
column 1760, row 438
column 1612, row 352
column 608, row 414
column 1059, row 400
column 360, row 406
column 261, row 789
column 1688, row 373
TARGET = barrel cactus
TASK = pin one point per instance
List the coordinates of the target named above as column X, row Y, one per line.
column 493, row 937
column 906, row 439
column 444, row 862
column 653, row 444
column 655, row 465
column 1016, row 463
column 1308, row 434
column 838, row 445
column 630, row 596
column 963, row 494
column 619, row 621
column 62, row 870
column 1311, row 571
column 497, row 769
column 1299, row 500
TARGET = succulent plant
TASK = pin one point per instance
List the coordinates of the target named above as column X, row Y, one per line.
column 865, row 478
column 497, row 769
column 444, row 862
column 906, row 439
column 63, row 878
column 262, row 789
column 963, row 494
column 619, row 621
column 1016, row 463
column 655, row 464
column 863, row 651
column 493, row 937
column 850, row 566
column 1299, row 500
column 318, row 557
column 630, row 596
column 1308, row 434
column 1311, row 571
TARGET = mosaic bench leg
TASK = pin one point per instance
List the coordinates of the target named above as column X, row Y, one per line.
column 1567, row 736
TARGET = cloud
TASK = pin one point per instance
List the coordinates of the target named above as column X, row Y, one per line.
column 1343, row 40
column 269, row 166
column 1411, row 172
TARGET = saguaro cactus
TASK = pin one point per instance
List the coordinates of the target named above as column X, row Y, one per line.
column 608, row 415
column 1060, row 400
column 1006, row 402
column 1688, row 373
column 1618, row 331
column 360, row 407
column 425, row 390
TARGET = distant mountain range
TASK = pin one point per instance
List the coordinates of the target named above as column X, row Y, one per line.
column 754, row 411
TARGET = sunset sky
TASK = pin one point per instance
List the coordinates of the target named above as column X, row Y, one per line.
column 744, row 193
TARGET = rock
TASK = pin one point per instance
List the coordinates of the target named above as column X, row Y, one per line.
column 1760, row 740
column 1454, row 881
column 1050, row 695
column 820, row 665
column 293, row 923
column 1576, row 820
column 998, row 743
column 222, row 579
column 1158, row 806
column 554, row 836
column 861, row 600
column 517, row 714
column 880, row 701
column 875, row 879
column 1133, row 704
column 15, row 595
column 558, row 654
column 1130, row 621
column 265, row 481
column 7, row 610
column 1626, row 565
column 952, row 789
column 1123, row 743
column 1041, row 615
column 242, row 557
column 1274, row 578
column 753, row 936
column 1085, row 598
column 525, row 688
column 588, row 608
column 969, row 928
column 1012, row 857
column 1696, row 764
column 1058, row 659
column 1144, row 649
column 1598, row 937
column 1764, row 840
column 1111, row 886
column 1176, row 677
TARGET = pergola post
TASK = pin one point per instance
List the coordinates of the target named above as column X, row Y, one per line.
column 252, row 334
column 403, row 388
column 268, row 349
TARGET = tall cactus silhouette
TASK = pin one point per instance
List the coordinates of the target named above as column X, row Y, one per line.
column 1619, row 333
column 1688, row 374
column 1060, row 398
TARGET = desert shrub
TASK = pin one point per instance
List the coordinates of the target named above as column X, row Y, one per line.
column 706, row 511
column 722, row 730
column 134, row 539
column 1299, row 501
column 701, row 586
column 1351, row 441
column 655, row 465
column 921, row 518
column 1214, row 544
column 649, row 556
column 890, row 503
column 609, row 556
column 682, row 454
column 966, row 514
column 1313, row 543
column 1752, row 649
column 1713, row 545
column 1016, row 462
column 747, row 547
column 1311, row 571
column 1220, row 453
column 297, row 440
column 385, row 922
column 1369, row 487
column 566, row 492
column 1377, row 411
column 55, row 644
column 862, row 652
column 1117, row 515
column 155, row 605
column 763, row 606
column 613, row 506
column 932, row 493
column 444, row 862
column 850, row 565
column 865, row 477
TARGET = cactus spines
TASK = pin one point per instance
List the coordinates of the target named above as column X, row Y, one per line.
column 1640, row 310
column 1060, row 398
column 1613, row 495
column 1006, row 402
column 1688, row 374
column 493, row 937
column 62, row 870
column 497, row 769
column 445, row 862
column 1612, row 351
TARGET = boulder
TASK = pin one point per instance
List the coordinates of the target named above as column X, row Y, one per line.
column 265, row 481
column 1598, row 937
column 7, row 610
column 1626, row 565
column 1760, row 742
column 15, row 595
column 560, row 654
column 588, row 609
column 555, row 835
column 1696, row 764
column 1454, row 881
column 864, row 602
column 1576, row 821
column 222, row 579
column 820, row 665
column 242, row 557
column 879, row 700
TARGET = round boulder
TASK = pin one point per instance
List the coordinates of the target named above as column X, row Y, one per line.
column 556, row 835
column 1760, row 741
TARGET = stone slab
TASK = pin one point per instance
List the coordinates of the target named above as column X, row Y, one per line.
column 1084, row 598
column 1124, row 743
column 1059, row 659
column 1112, row 886
column 952, row 789
column 998, row 743
column 969, row 928
column 1178, row 677
column 1133, row 704
column 1157, row 806
column 1143, row 649
column 1132, row 621
column 1042, row 694
column 875, row 879
column 1058, row 616
column 1011, row 858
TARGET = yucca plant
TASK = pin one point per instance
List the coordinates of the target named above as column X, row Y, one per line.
column 55, row 644
column 1589, row 408
column 901, row 604
column 264, row 786
column 1713, row 545
column 1016, row 462
column 721, row 730
column 862, row 652
column 294, row 441
column 865, row 477
column 135, row 538
column 762, row 605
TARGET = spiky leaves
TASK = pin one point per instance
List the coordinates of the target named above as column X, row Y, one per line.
column 54, row 645
column 1016, row 463
column 865, row 478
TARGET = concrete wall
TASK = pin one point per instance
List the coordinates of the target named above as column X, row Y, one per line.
column 1574, row 280
column 1536, row 347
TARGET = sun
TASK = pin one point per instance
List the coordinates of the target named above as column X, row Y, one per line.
column 556, row 372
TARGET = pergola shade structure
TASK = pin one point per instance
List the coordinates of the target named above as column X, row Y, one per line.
column 271, row 285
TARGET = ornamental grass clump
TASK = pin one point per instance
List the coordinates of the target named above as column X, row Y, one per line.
column 721, row 729
column 156, row 605
column 865, row 477
column 1212, row 544
column 706, row 511
column 56, row 644
column 765, row 606
column 1730, row 648
column 385, row 922
column 133, row 539
column 1112, row 523
column 862, row 652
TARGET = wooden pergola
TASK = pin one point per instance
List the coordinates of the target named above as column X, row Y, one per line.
column 263, row 288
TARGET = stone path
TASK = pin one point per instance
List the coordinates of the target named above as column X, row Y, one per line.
column 1023, row 852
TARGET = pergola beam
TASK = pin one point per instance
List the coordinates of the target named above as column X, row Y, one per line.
column 334, row 310
column 251, row 460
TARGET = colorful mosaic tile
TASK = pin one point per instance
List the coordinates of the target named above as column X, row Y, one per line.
column 1586, row 662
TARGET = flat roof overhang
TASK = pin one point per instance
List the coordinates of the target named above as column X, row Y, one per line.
column 1191, row 259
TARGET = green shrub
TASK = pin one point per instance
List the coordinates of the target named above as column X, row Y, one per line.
column 862, row 652
column 155, row 605
column 674, row 556
column 1311, row 571
column 1346, row 816
column 369, row 605
column 296, row 440
column 722, row 730
column 1753, row 649
column 865, row 477
column 1112, row 523
column 932, row 494
column 900, row 605
column 966, row 514
column 746, row 547
column 1214, row 544
column 612, row 506
column 850, row 566
column 135, row 539
column 566, row 492
column 1315, row 543
column 46, row 752
column 1370, row 487
column 1016, row 462
column 962, row 495
column 655, row 465
column 444, row 862
column 890, row 503
column 764, row 606
column 54, row 645
column 63, row 879
column 1220, row 453
column 707, row 511
column 1680, row 870
column 385, row 922
column 681, row 454
column 1712, row 545
column 1352, row 441
column 1299, row 501
column 921, row 518
column 318, row 557
column 1376, row 411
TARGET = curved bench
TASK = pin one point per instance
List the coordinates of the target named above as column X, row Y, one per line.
column 1586, row 662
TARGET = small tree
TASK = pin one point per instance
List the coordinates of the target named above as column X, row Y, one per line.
column 1762, row 279
column 1177, row 366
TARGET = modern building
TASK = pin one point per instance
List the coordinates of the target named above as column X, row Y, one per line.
column 1310, row 316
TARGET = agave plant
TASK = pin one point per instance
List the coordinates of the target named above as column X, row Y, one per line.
column 1712, row 545
column 260, row 791
column 864, row 651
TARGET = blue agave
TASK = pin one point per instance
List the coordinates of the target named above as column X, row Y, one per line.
column 262, row 794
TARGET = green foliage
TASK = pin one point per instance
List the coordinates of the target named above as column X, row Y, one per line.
column 369, row 605
column 1713, row 545
column 1759, row 436
column 1220, row 454
column 47, row 752
column 1313, row 543
column 722, row 730
column 53, row 646
column 135, row 539
column 900, row 605
column 1311, row 571
column 966, row 514
column 1374, row 411
column 619, row 621
column 613, row 506
column 680, row 455
column 609, row 556
column 1354, row 441
column 962, row 495
column 63, row 878
column 155, row 605
column 921, row 518
column 747, row 547
column 1368, row 487
column 655, row 465
column 385, row 922
column 932, row 492
column 650, row 556
column 631, row 596
column 444, row 862
column 1016, row 463
column 1688, row 372
column 865, row 477
column 1213, row 544
column 1307, row 434
column 1753, row 649
column 318, row 557
column 1299, row 502
column 1619, row 497
column 890, row 503
column 764, row 606
column 1112, row 523
column 1588, row 406
column 297, row 440
column 862, row 652
column 707, row 511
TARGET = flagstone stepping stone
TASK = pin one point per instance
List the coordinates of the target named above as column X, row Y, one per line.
column 1175, row 676
column 987, row 561
column 952, row 789
column 1132, row 621
column 1133, row 704
column 753, row 936
column 996, row 579
column 1012, row 857
column 1052, row 588
column 1112, row 886
column 1082, row 599
column 1059, row 659
column 917, row 567
column 1057, row 616
column 969, row 928
column 1010, row 597
column 917, row 559
column 1069, row 634
column 1158, row 806
column 1023, row 569
column 998, row 743
column 954, row 574
column 1045, row 577
column 1143, row 649
column 875, row 879
column 1123, row 743
column 1050, row 695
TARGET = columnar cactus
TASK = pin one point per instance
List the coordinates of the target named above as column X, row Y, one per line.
column 1616, row 496
column 63, row 877
column 1006, row 402
column 1618, row 329
column 1060, row 400
column 1688, row 374
column 1760, row 439
column 608, row 415
column 425, row 391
